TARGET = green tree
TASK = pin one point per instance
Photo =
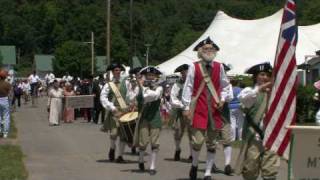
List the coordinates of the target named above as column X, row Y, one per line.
column 72, row 57
column 1, row 59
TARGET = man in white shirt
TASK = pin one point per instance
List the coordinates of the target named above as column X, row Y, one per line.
column 180, row 122
column 150, row 124
column 254, row 158
column 67, row 77
column 209, row 87
column 34, row 82
column 110, row 102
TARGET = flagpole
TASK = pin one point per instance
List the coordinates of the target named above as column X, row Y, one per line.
column 275, row 56
column 290, row 158
column 274, row 62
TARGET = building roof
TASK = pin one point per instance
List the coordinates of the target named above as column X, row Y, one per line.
column 43, row 62
column 8, row 54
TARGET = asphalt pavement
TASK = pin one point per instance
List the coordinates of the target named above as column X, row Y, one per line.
column 78, row 151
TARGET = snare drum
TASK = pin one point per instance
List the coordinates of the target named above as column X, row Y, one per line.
column 127, row 126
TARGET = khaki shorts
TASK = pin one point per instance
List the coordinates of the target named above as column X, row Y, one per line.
column 256, row 160
column 148, row 134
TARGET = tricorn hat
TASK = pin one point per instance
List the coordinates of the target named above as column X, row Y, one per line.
column 112, row 66
column 262, row 67
column 181, row 68
column 150, row 69
column 226, row 67
column 206, row 41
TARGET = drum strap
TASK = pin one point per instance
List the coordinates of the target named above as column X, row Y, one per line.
column 136, row 131
column 117, row 93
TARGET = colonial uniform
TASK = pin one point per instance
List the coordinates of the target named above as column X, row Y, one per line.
column 110, row 103
column 225, row 133
column 149, row 124
column 254, row 156
column 181, row 123
column 207, row 119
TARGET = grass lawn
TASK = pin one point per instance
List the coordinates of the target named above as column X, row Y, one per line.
column 12, row 166
column 13, row 129
column 11, row 157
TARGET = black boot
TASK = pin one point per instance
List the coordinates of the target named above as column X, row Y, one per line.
column 228, row 170
column 193, row 173
column 153, row 172
column 177, row 155
column 141, row 167
column 214, row 169
column 120, row 160
column 207, row 178
column 111, row 154
column 133, row 150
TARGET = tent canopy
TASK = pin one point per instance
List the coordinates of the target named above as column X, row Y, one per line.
column 244, row 43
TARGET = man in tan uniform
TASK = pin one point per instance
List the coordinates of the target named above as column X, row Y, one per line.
column 254, row 158
column 110, row 103
column 180, row 122
column 149, row 125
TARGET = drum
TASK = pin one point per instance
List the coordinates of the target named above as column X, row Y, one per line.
column 127, row 126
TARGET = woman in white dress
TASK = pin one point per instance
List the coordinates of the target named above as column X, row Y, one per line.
column 55, row 104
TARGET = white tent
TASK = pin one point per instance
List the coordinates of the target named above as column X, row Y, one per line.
column 247, row 42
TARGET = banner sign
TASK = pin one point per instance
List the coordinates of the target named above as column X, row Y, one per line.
column 81, row 101
column 305, row 157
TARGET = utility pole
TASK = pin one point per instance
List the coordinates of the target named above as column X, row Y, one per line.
column 108, row 33
column 131, row 35
column 147, row 54
column 92, row 52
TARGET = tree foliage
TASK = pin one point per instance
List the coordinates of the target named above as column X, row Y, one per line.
column 1, row 60
column 72, row 57
column 40, row 27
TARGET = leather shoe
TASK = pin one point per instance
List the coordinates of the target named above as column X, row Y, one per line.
column 193, row 173
column 120, row 159
column 133, row 150
column 207, row 178
column 141, row 167
column 228, row 170
column 214, row 168
column 177, row 155
column 111, row 154
column 153, row 172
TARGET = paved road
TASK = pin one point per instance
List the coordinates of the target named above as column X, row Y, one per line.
column 78, row 151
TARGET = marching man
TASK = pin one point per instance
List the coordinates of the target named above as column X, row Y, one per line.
column 181, row 122
column 254, row 157
column 205, row 92
column 149, row 123
column 110, row 102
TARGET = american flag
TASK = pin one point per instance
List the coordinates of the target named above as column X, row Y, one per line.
column 281, row 110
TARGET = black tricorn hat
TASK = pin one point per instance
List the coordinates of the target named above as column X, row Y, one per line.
column 112, row 66
column 135, row 70
column 262, row 67
column 150, row 69
column 206, row 41
column 226, row 67
column 182, row 68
